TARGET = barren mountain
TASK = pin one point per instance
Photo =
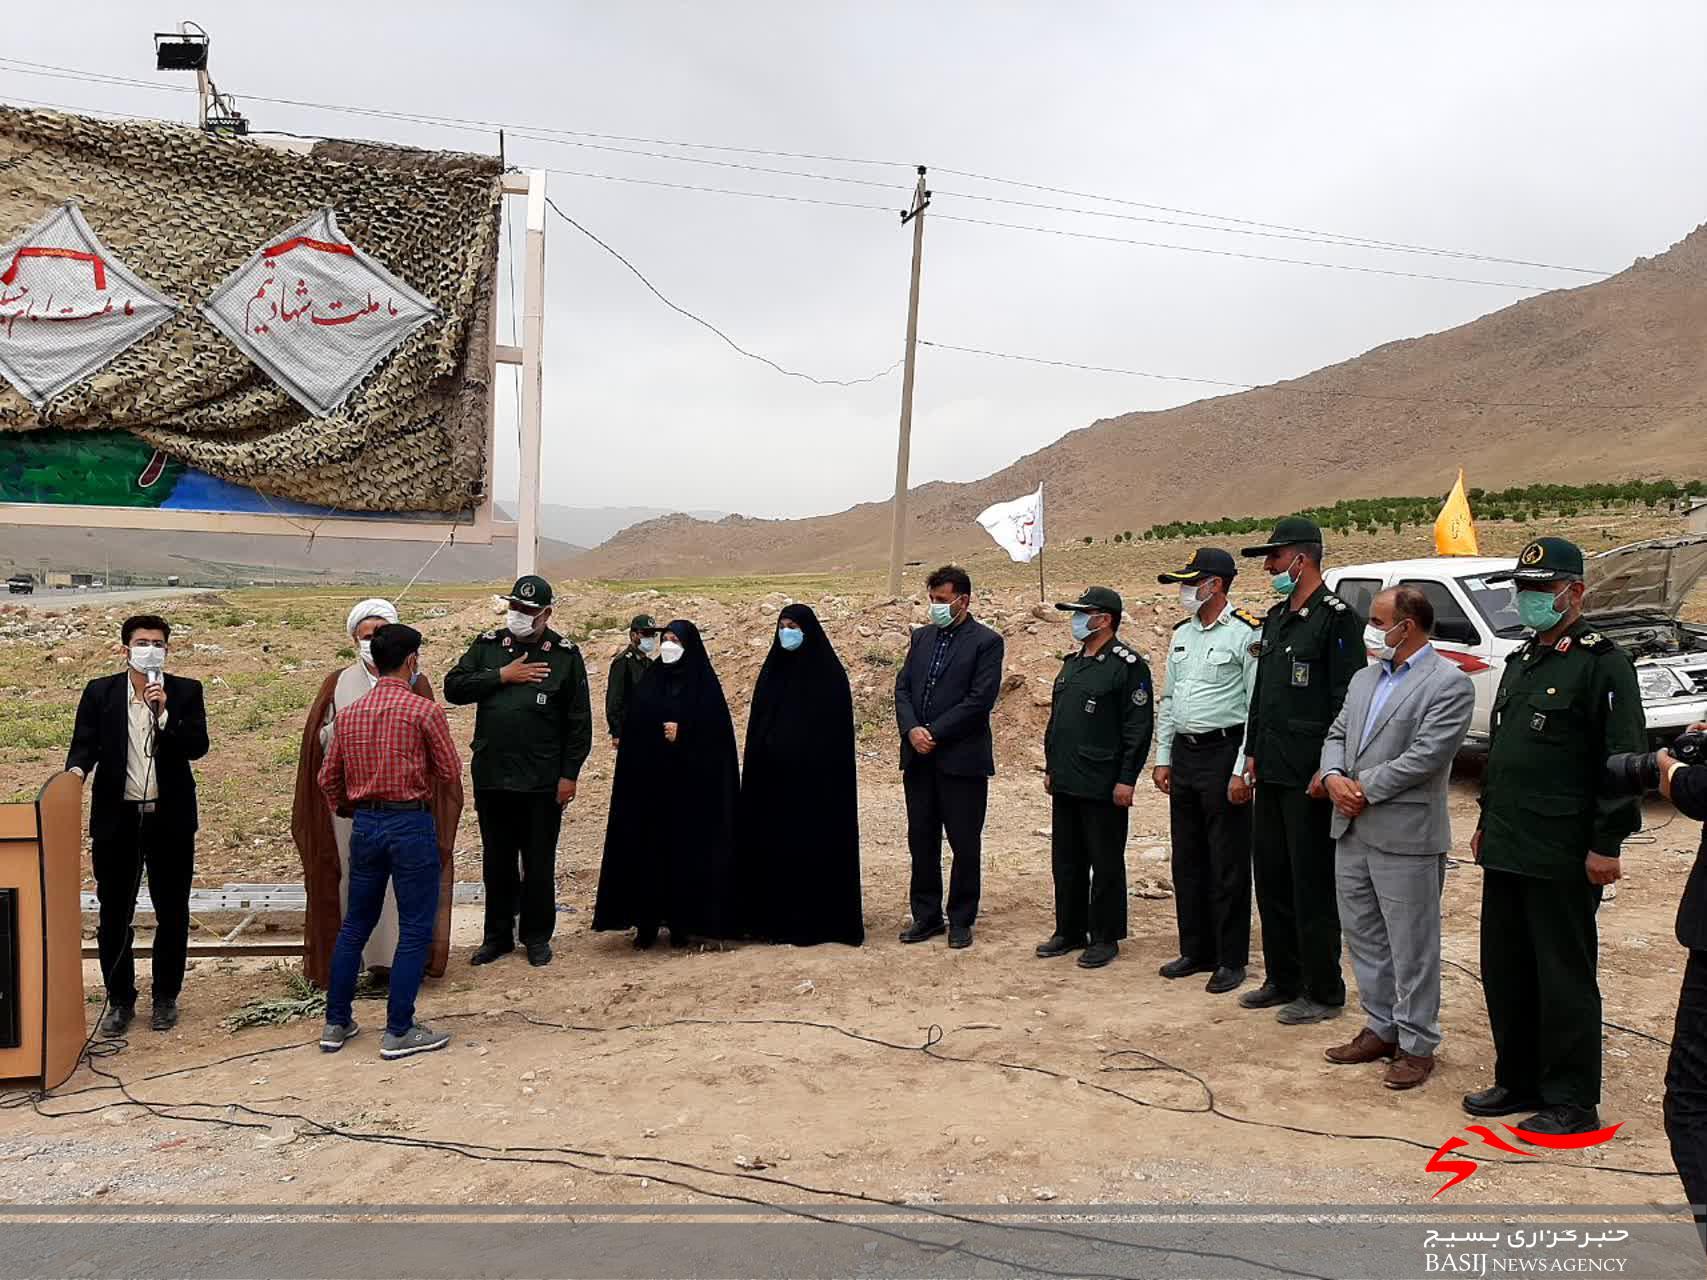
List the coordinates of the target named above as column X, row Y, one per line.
column 1606, row 381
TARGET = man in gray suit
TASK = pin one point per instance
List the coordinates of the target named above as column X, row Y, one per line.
column 1385, row 766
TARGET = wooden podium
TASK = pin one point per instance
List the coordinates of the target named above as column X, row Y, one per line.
column 42, row 1027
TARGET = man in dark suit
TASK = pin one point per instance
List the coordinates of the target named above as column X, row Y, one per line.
column 943, row 698
column 1686, row 1074
column 137, row 731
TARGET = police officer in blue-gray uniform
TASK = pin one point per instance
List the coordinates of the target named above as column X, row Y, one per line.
column 1200, row 766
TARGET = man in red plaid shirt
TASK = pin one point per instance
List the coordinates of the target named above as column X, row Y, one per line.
column 385, row 749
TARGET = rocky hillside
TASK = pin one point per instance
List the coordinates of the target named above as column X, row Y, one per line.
column 1604, row 381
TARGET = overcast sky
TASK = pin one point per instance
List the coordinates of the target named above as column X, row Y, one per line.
column 1558, row 133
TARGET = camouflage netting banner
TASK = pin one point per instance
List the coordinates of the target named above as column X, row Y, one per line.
column 386, row 411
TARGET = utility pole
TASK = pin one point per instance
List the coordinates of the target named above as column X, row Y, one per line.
column 898, row 530
column 202, row 80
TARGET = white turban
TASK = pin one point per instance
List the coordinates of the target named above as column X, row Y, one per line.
column 371, row 609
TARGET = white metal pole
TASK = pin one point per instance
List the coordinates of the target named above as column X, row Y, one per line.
column 533, row 324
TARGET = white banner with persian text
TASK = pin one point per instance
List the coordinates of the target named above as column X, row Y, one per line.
column 68, row 306
column 316, row 313
column 1017, row 526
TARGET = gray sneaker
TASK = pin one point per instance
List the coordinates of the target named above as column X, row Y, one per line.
column 419, row 1038
column 333, row 1037
column 1304, row 1010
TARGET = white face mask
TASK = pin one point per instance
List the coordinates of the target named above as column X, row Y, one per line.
column 1375, row 640
column 520, row 625
column 365, row 648
column 1188, row 597
column 669, row 652
column 147, row 658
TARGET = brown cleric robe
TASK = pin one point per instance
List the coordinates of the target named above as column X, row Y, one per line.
column 322, row 869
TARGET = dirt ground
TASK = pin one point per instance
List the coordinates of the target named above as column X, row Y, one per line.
column 732, row 1073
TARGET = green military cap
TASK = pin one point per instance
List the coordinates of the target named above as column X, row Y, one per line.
column 1544, row 560
column 1095, row 600
column 1288, row 532
column 644, row 623
column 530, row 589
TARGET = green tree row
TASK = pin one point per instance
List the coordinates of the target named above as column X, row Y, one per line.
column 1522, row 503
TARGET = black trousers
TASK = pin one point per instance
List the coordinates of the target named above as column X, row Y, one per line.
column 1686, row 1088
column 939, row 802
column 1211, row 855
column 119, row 860
column 1087, row 852
column 1292, row 856
column 1539, row 952
column 519, row 829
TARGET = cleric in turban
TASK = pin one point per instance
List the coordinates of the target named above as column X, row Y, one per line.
column 323, row 838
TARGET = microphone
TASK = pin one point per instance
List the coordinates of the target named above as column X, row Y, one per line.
column 155, row 678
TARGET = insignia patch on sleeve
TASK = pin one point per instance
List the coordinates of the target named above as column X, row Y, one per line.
column 1141, row 696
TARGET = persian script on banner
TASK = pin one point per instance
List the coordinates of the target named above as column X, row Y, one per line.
column 68, row 307
column 1017, row 526
column 316, row 313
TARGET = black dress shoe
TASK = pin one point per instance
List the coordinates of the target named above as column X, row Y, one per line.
column 1562, row 1119
column 490, row 951
column 539, row 954
column 1098, row 954
column 116, row 1021
column 916, row 932
column 1184, row 967
column 1058, row 946
column 959, row 936
column 1497, row 1100
column 645, row 936
column 1224, row 980
column 1267, row 996
column 165, row 1015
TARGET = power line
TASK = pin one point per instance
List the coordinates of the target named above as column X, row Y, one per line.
column 1308, row 391
column 599, row 141
column 1235, row 253
column 706, row 324
column 1252, row 222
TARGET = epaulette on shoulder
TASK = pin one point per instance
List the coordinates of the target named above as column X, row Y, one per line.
column 1335, row 603
column 489, row 635
column 1519, row 653
column 1123, row 653
column 1251, row 620
column 1595, row 641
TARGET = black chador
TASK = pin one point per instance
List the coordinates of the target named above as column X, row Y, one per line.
column 669, row 845
column 797, row 833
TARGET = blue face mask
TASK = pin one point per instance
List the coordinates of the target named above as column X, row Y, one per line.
column 1081, row 627
column 1539, row 610
column 790, row 638
column 648, row 643
column 942, row 614
column 1286, row 583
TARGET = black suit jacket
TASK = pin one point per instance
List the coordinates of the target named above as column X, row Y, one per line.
column 100, row 742
column 1689, row 794
column 959, row 713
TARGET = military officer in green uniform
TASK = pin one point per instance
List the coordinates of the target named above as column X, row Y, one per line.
column 625, row 671
column 1100, row 723
column 1311, row 645
column 1548, row 843
column 532, row 732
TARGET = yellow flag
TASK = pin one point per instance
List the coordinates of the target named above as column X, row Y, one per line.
column 1454, row 530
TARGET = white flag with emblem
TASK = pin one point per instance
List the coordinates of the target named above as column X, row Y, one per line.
column 1017, row 526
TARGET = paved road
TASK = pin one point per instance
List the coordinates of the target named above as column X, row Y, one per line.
column 45, row 601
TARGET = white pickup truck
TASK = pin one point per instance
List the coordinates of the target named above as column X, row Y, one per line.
column 1635, row 594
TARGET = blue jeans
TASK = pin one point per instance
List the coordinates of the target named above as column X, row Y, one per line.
column 402, row 847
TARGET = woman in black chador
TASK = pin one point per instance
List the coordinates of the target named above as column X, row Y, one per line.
column 797, row 834
column 669, row 844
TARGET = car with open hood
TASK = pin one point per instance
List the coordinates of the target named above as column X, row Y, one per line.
column 1635, row 596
